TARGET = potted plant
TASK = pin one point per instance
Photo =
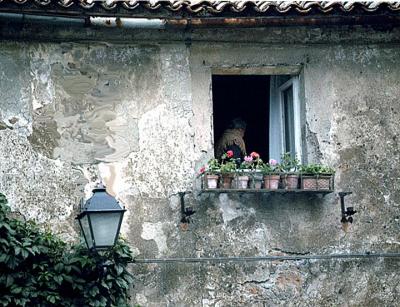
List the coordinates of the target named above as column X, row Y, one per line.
column 256, row 172
column 211, row 173
column 228, row 169
column 324, row 178
column 316, row 177
column 245, row 169
column 271, row 172
column 290, row 166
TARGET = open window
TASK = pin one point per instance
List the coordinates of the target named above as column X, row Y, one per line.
column 268, row 103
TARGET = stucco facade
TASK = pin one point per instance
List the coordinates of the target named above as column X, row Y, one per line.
column 135, row 108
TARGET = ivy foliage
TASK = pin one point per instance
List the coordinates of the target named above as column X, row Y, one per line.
column 38, row 269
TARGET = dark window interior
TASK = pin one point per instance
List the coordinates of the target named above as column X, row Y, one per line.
column 246, row 97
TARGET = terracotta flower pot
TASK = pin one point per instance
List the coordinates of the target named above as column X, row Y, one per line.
column 243, row 182
column 227, row 181
column 324, row 182
column 309, row 182
column 271, row 182
column 290, row 181
column 211, row 181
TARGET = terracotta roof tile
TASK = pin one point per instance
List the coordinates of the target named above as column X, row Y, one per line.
column 212, row 7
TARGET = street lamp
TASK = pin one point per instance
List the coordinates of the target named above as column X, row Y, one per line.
column 100, row 219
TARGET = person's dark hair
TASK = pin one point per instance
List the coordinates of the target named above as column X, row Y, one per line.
column 237, row 123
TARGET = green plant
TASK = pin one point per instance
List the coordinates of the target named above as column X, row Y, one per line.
column 228, row 166
column 289, row 164
column 213, row 166
column 38, row 269
column 271, row 168
column 246, row 165
column 228, row 163
column 258, row 164
column 252, row 162
column 326, row 170
column 310, row 169
column 316, row 169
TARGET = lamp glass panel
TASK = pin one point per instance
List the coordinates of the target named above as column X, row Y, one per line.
column 86, row 231
column 105, row 227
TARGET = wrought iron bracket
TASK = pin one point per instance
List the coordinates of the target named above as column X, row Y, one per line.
column 346, row 212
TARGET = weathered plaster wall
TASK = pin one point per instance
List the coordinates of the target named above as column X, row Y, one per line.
column 140, row 116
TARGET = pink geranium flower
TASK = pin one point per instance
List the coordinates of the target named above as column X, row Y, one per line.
column 229, row 153
column 248, row 159
column 202, row 170
column 273, row 162
column 255, row 155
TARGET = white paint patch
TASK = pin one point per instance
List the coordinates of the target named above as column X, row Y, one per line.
column 112, row 175
column 141, row 299
column 42, row 87
column 154, row 231
column 104, row 170
column 386, row 197
column 90, row 185
column 228, row 208
column 35, row 103
column 124, row 132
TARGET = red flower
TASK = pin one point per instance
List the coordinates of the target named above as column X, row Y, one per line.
column 202, row 170
column 229, row 153
column 255, row 155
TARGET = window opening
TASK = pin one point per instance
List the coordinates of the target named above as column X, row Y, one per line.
column 246, row 97
column 270, row 106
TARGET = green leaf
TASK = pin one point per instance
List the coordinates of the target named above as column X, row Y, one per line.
column 94, row 291
column 4, row 242
column 104, row 284
column 58, row 279
column 3, row 258
column 24, row 253
column 10, row 230
column 9, row 281
column 16, row 290
column 59, row 267
column 68, row 278
column 119, row 269
column 128, row 278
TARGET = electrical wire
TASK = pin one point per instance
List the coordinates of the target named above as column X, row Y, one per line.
column 270, row 258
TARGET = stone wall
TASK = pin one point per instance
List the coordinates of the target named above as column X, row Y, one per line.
column 139, row 115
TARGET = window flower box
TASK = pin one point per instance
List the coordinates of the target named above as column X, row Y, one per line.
column 316, row 177
column 266, row 177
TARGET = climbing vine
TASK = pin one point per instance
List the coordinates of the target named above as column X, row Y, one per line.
column 39, row 269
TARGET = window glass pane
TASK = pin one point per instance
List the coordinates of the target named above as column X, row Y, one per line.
column 288, row 116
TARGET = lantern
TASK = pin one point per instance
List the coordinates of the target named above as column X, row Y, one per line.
column 100, row 219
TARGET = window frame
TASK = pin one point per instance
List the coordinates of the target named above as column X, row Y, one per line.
column 277, row 140
column 294, row 83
